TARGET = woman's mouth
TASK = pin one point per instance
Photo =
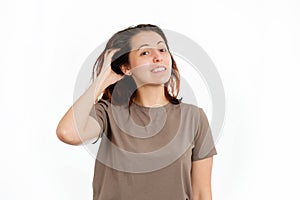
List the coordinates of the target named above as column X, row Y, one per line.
column 158, row 69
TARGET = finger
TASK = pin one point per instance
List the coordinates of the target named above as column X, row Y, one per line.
column 106, row 53
column 108, row 56
column 111, row 52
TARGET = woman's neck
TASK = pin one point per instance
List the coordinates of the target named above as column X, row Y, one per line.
column 151, row 96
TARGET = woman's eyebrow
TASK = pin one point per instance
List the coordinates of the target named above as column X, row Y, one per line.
column 143, row 46
column 148, row 44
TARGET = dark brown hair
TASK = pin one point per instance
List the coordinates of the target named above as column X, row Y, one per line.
column 124, row 90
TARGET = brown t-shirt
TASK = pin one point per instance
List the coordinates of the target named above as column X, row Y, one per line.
column 146, row 153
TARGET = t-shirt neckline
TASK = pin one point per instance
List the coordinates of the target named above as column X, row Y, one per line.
column 153, row 107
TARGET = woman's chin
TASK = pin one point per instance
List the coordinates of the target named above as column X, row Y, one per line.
column 153, row 81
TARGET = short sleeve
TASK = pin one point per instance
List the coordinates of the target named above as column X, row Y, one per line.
column 204, row 145
column 99, row 113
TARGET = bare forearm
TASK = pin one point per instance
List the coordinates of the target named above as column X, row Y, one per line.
column 75, row 120
column 81, row 109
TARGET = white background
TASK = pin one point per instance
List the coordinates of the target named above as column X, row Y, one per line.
column 254, row 45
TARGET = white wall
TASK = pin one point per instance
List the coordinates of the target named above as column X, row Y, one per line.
column 254, row 45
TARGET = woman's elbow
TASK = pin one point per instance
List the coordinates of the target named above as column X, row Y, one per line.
column 67, row 136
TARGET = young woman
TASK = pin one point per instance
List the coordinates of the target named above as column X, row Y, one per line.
column 153, row 146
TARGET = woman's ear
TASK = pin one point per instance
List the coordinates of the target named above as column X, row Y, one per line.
column 125, row 68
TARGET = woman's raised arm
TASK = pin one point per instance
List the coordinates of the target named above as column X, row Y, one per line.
column 77, row 126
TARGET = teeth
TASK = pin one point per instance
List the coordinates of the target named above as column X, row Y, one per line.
column 159, row 69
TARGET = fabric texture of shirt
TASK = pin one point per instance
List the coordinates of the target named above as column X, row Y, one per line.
column 146, row 153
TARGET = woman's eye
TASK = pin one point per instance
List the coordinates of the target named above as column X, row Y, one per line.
column 144, row 53
column 163, row 50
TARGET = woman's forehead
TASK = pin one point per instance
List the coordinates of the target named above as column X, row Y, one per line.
column 146, row 38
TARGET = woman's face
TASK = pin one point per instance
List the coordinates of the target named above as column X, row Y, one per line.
column 150, row 61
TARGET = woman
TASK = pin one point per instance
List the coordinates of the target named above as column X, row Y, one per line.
column 153, row 145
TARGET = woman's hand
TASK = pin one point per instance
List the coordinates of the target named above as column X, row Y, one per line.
column 107, row 76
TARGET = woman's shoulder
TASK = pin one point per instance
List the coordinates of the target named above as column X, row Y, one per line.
column 190, row 106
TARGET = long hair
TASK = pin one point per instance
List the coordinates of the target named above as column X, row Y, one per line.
column 126, row 87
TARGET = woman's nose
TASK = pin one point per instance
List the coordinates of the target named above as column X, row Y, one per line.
column 157, row 56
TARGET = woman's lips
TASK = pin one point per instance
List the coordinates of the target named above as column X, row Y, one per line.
column 158, row 69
